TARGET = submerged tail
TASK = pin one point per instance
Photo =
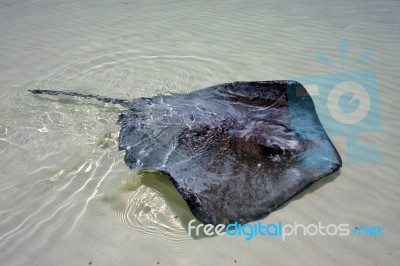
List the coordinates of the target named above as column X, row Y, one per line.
column 124, row 103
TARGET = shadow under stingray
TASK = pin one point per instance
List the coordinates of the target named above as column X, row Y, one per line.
column 178, row 206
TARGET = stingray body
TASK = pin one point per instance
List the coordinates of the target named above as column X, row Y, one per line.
column 234, row 151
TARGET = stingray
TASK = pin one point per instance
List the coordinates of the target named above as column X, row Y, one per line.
column 235, row 151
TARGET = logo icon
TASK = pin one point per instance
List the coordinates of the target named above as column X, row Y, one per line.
column 347, row 103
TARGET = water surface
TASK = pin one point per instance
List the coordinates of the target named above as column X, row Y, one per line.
column 66, row 196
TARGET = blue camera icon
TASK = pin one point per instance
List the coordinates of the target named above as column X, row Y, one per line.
column 347, row 104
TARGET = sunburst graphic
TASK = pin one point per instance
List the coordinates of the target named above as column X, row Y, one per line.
column 343, row 52
column 347, row 101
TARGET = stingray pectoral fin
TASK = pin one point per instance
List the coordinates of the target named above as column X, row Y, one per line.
column 234, row 151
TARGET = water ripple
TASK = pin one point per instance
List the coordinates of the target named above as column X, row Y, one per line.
column 149, row 205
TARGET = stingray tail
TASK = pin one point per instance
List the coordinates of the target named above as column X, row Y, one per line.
column 104, row 99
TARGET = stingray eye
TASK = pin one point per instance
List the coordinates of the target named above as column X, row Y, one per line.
column 271, row 151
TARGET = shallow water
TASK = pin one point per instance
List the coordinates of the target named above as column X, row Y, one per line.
column 67, row 197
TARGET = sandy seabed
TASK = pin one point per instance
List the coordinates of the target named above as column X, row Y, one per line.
column 66, row 196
